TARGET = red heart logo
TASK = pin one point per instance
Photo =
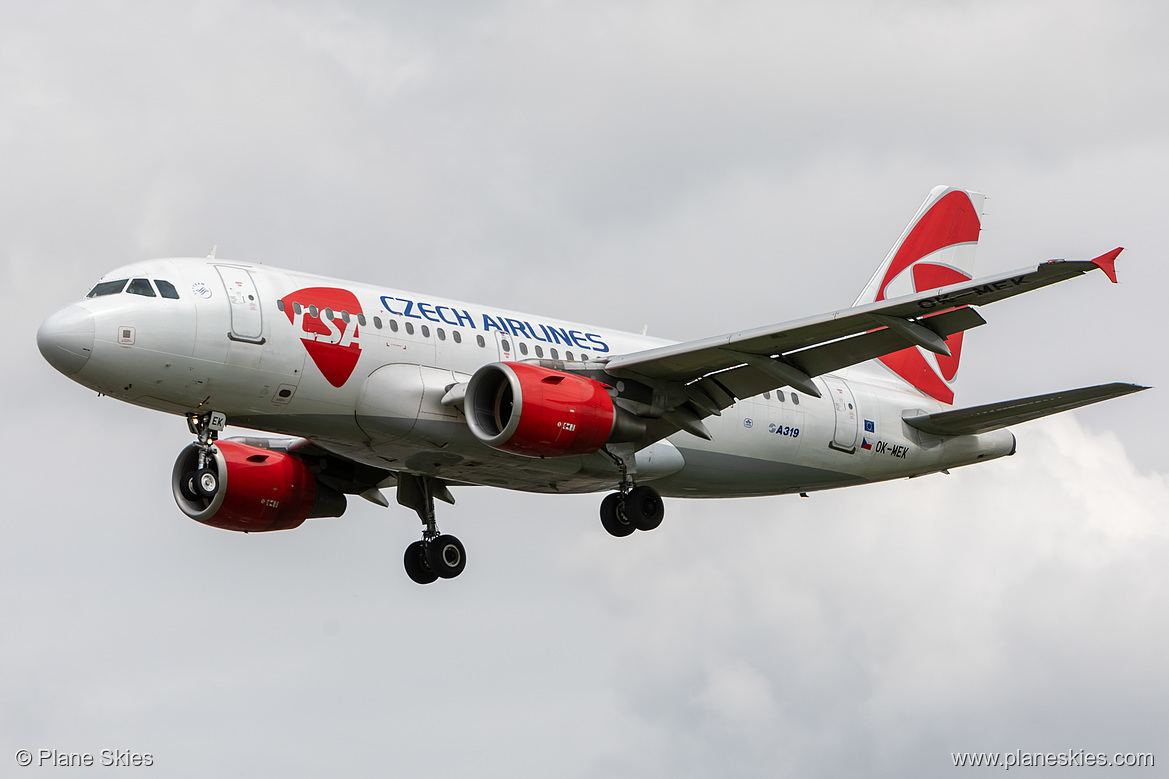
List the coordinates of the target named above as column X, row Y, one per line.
column 328, row 319
column 950, row 221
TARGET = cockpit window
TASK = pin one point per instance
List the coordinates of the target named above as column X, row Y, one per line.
column 141, row 287
column 107, row 288
column 166, row 289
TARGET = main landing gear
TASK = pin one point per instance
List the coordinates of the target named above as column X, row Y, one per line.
column 630, row 508
column 436, row 556
column 440, row 557
column 639, row 509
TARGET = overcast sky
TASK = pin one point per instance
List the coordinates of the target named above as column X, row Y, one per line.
column 694, row 166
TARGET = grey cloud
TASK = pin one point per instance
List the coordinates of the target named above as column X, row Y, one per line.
column 698, row 167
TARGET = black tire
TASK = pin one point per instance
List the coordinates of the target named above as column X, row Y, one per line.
column 207, row 483
column 644, row 507
column 613, row 516
column 416, row 566
column 446, row 556
column 187, row 487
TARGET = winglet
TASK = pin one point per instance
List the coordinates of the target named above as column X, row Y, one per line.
column 1107, row 263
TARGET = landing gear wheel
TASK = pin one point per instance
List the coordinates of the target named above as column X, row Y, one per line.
column 446, row 556
column 187, row 487
column 207, row 483
column 643, row 506
column 416, row 566
column 613, row 516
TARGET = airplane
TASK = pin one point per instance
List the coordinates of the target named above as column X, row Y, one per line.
column 374, row 387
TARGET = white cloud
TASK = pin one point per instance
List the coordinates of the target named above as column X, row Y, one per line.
column 1013, row 603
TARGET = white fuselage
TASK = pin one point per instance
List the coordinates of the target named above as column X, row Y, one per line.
column 368, row 386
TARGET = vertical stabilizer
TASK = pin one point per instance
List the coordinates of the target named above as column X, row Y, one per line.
column 936, row 249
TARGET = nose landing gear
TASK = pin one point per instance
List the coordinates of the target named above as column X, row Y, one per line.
column 203, row 480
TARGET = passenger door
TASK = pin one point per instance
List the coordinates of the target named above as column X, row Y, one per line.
column 247, row 322
column 844, row 434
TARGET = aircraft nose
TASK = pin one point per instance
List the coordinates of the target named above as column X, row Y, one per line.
column 66, row 339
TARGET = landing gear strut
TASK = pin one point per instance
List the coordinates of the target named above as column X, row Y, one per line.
column 631, row 507
column 436, row 556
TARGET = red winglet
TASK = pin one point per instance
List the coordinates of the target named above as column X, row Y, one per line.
column 1107, row 263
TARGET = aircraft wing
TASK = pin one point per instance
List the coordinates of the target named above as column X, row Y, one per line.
column 711, row 373
column 983, row 419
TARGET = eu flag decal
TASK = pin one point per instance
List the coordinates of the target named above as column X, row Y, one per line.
column 869, row 426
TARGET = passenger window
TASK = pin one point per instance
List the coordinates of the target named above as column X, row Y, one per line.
column 479, row 340
column 329, row 314
column 345, row 317
column 361, row 319
column 141, row 287
column 767, row 395
column 410, row 328
column 568, row 356
column 795, row 399
column 394, row 325
column 312, row 311
column 167, row 290
column 506, row 345
column 441, row 333
column 425, row 331
column 539, row 350
column 457, row 336
column 296, row 309
column 555, row 355
column 779, row 395
column 377, row 322
column 523, row 348
column 279, row 303
column 107, row 288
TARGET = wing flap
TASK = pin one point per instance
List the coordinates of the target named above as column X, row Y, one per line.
column 983, row 419
column 833, row 356
column 749, row 380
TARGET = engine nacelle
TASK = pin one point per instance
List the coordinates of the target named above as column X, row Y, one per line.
column 538, row 412
column 254, row 489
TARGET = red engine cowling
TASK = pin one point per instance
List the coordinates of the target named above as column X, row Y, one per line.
column 538, row 412
column 255, row 489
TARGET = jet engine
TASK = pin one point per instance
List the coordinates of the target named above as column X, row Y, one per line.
column 246, row 488
column 538, row 412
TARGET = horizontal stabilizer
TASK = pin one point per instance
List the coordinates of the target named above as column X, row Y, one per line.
column 983, row 419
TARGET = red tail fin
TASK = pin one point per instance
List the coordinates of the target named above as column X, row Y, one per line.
column 936, row 249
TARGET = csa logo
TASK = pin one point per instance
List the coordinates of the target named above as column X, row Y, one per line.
column 950, row 221
column 320, row 314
